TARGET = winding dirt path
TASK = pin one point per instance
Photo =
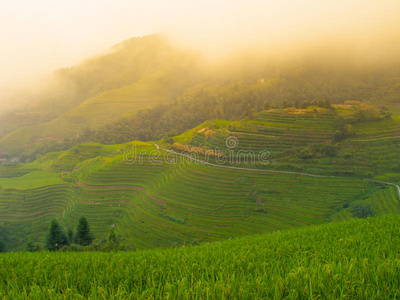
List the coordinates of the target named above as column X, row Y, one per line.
column 246, row 169
column 270, row 171
column 384, row 182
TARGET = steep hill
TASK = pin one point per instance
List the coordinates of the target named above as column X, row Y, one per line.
column 149, row 91
column 136, row 73
column 144, row 72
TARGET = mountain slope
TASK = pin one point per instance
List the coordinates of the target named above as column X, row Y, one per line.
column 151, row 90
column 157, row 205
column 157, row 197
column 127, row 63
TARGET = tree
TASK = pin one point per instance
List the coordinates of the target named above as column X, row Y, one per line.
column 34, row 247
column 362, row 212
column 113, row 241
column 56, row 238
column 306, row 104
column 285, row 104
column 84, row 236
column 344, row 130
column 249, row 111
column 70, row 234
column 327, row 104
column 112, row 237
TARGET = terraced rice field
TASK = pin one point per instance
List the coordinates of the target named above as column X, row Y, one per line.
column 385, row 200
column 169, row 204
column 275, row 132
column 365, row 158
column 211, row 201
column 372, row 151
column 67, row 161
column 12, row 172
column 26, row 213
column 384, row 129
column 173, row 204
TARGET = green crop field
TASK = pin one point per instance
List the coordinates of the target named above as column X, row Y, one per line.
column 169, row 204
column 304, row 142
column 357, row 259
column 30, row 181
column 170, row 200
column 272, row 131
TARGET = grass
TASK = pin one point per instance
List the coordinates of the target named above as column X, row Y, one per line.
column 356, row 259
column 31, row 180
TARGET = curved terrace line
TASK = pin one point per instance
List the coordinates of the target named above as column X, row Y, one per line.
column 269, row 171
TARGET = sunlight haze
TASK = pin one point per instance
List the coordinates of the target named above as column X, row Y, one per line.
column 40, row 36
column 187, row 149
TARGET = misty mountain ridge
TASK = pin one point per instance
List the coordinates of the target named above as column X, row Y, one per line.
column 149, row 72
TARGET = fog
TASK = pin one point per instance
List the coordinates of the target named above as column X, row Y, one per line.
column 40, row 36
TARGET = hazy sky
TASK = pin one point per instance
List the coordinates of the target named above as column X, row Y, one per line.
column 37, row 37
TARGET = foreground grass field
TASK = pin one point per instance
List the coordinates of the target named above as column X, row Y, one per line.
column 358, row 259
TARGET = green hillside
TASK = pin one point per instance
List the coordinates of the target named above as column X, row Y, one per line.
column 135, row 74
column 164, row 198
column 97, row 100
column 102, row 109
column 157, row 205
column 357, row 259
column 348, row 140
column 124, row 64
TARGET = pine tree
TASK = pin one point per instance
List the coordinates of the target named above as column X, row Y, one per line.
column 84, row 236
column 112, row 237
column 249, row 111
column 113, row 241
column 70, row 234
column 56, row 238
